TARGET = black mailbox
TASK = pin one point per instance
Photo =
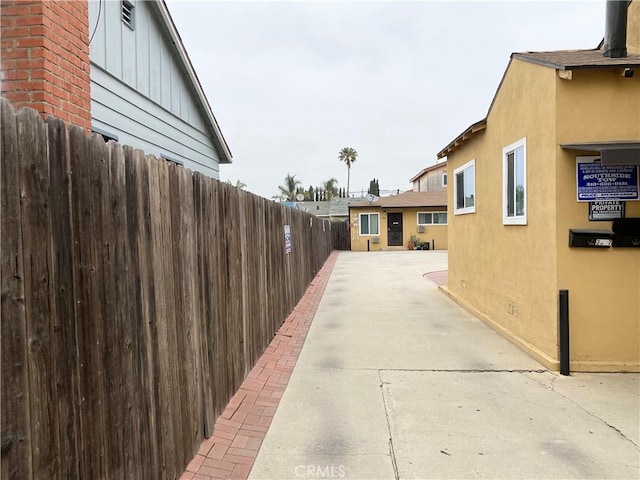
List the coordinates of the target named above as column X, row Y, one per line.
column 626, row 232
column 590, row 238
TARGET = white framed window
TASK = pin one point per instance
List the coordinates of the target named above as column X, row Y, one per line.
column 432, row 218
column 514, row 183
column 444, row 179
column 464, row 188
column 369, row 224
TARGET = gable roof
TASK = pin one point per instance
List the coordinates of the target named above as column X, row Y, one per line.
column 428, row 169
column 408, row 199
column 177, row 48
column 560, row 60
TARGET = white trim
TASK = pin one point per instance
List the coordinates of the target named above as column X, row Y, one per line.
column 464, row 210
column 519, row 219
column 360, row 224
column 225, row 154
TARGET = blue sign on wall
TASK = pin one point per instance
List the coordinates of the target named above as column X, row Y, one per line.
column 599, row 182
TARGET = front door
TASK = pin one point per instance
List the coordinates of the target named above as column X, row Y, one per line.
column 394, row 229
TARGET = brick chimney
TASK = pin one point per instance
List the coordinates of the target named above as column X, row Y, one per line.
column 44, row 57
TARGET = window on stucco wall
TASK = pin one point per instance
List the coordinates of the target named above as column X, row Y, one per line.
column 369, row 224
column 464, row 188
column 514, row 170
column 432, row 218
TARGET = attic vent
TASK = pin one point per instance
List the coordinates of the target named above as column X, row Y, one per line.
column 127, row 13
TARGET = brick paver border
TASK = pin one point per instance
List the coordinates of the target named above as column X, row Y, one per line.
column 440, row 278
column 239, row 431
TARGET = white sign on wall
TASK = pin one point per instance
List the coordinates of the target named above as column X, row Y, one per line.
column 287, row 239
column 606, row 210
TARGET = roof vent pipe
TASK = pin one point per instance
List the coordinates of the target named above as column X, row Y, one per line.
column 615, row 31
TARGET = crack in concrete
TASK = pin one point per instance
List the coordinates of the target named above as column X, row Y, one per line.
column 392, row 452
column 453, row 370
column 551, row 387
column 435, row 370
column 456, row 370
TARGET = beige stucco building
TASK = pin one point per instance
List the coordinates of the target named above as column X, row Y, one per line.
column 513, row 199
column 390, row 222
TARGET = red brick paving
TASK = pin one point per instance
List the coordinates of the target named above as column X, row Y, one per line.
column 441, row 277
column 239, row 431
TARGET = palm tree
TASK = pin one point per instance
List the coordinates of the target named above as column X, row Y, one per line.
column 348, row 155
column 330, row 187
column 289, row 189
column 239, row 184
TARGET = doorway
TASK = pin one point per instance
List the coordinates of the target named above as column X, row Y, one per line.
column 394, row 229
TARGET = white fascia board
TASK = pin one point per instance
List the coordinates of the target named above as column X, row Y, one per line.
column 163, row 11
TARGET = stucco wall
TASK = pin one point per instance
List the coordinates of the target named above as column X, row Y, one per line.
column 434, row 234
column 633, row 29
column 603, row 284
column 511, row 274
column 508, row 272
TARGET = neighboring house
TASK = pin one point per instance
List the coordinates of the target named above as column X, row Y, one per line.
column 117, row 68
column 336, row 209
column 431, row 179
column 514, row 202
column 391, row 222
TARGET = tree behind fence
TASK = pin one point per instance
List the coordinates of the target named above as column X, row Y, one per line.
column 136, row 296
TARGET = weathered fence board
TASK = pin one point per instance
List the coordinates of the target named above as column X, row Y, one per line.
column 16, row 436
column 64, row 342
column 36, row 228
column 136, row 296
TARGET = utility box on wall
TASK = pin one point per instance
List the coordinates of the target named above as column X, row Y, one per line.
column 626, row 232
column 590, row 238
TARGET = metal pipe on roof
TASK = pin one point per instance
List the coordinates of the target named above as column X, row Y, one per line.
column 615, row 31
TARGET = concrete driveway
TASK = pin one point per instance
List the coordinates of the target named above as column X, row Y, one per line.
column 396, row 381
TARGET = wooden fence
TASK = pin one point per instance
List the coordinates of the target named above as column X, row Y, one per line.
column 136, row 296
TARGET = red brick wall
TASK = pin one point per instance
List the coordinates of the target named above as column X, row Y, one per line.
column 44, row 57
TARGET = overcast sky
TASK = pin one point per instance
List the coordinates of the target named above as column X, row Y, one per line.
column 291, row 83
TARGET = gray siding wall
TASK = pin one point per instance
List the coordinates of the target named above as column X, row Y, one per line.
column 139, row 90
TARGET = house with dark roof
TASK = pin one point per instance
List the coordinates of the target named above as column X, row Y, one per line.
column 390, row 223
column 116, row 68
column 543, row 209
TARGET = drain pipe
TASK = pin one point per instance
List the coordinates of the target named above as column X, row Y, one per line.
column 563, row 306
column 368, row 247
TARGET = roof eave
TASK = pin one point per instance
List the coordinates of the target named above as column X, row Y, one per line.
column 624, row 62
column 224, row 153
column 470, row 132
column 426, row 170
